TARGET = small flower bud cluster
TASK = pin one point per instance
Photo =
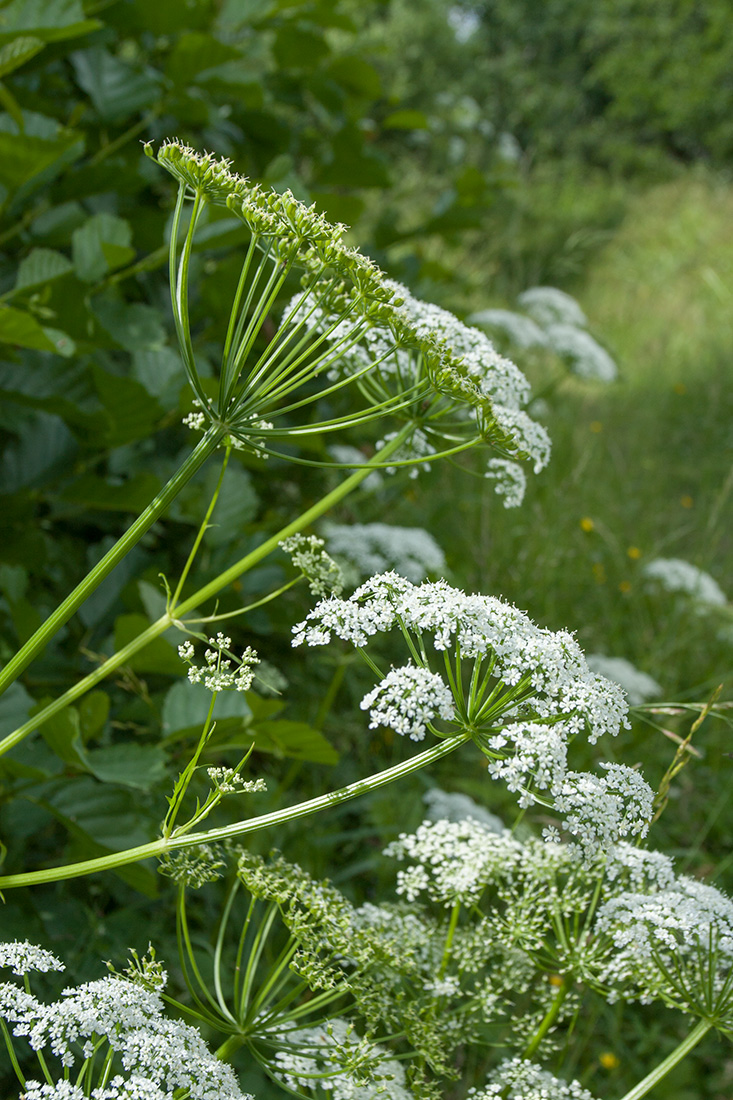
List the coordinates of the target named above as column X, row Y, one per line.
column 229, row 781
column 322, row 572
column 196, row 421
column 217, row 674
column 193, row 866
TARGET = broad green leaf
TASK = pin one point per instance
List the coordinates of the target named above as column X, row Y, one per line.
column 50, row 20
column 24, row 156
column 41, row 266
column 299, row 47
column 93, row 714
column 16, row 53
column 62, row 734
column 186, row 706
column 131, row 765
column 160, row 371
column 101, row 245
column 136, row 327
column 14, row 583
column 133, row 415
column 194, row 53
column 15, row 706
column 63, row 345
column 357, row 75
column 159, row 656
column 44, row 449
column 116, row 90
column 95, row 492
column 296, row 740
column 236, row 507
column 21, row 328
column 103, row 599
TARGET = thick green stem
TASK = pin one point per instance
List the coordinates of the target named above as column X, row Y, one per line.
column 103, row 568
column 158, row 848
column 661, row 1071
column 175, row 614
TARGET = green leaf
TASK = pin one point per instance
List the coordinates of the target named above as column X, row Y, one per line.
column 133, row 415
column 116, row 90
column 296, row 740
column 298, row 47
column 357, row 76
column 62, row 734
column 50, row 20
column 131, row 765
column 22, row 329
column 158, row 656
column 41, row 266
column 194, row 54
column 101, row 245
column 94, row 492
column 25, row 156
column 93, row 714
column 160, row 371
column 186, row 706
column 45, row 448
column 15, row 707
column 16, row 53
column 135, row 327
column 406, row 120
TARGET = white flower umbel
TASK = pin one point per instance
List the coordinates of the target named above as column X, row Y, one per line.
column 407, row 700
column 25, row 957
column 548, row 306
column 520, row 331
column 675, row 575
column 346, row 1067
column 452, row 861
column 638, row 686
column 521, row 691
column 517, row 1079
column 119, row 1088
column 583, row 355
column 599, row 809
column 454, row 806
column 378, row 547
column 123, row 1020
column 675, row 944
column 218, row 674
column 510, row 478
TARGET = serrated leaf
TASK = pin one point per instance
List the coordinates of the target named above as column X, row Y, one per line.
column 115, row 88
column 22, row 329
column 50, row 20
column 16, row 53
column 101, row 245
column 138, row 766
column 41, row 266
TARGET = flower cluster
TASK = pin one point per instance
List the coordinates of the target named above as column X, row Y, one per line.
column 217, row 674
column 551, row 320
column 407, row 700
column 126, row 1019
column 678, row 576
column 308, row 555
column 24, row 957
column 529, row 693
column 345, row 1066
column 370, row 548
column 510, row 478
column 518, row 1079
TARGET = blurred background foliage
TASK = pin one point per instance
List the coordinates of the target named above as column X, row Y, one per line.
column 476, row 150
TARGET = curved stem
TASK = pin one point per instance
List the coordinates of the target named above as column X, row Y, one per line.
column 669, row 1062
column 158, row 848
column 548, row 1021
column 75, row 599
column 211, row 589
